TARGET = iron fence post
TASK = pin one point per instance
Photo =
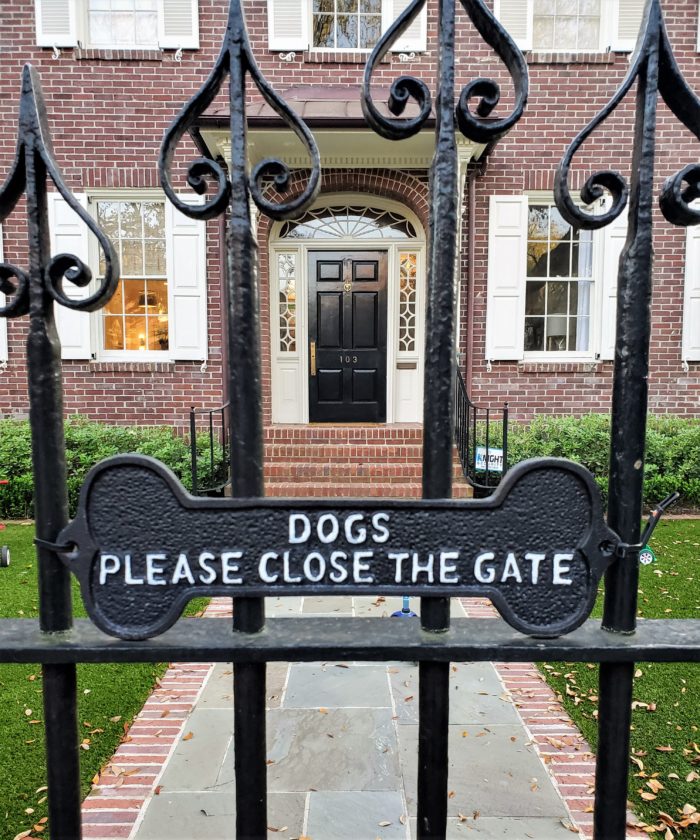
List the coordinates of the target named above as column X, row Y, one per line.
column 193, row 449
column 628, row 434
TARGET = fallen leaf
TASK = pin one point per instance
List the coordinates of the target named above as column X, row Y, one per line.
column 157, row 790
column 188, row 737
column 664, row 749
column 384, row 823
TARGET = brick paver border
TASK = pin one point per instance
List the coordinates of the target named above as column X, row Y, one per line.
column 117, row 802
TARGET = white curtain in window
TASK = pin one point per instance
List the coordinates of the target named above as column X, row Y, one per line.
column 585, row 273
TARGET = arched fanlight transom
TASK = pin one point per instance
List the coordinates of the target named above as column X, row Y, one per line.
column 349, row 222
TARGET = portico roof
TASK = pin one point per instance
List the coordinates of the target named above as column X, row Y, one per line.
column 334, row 114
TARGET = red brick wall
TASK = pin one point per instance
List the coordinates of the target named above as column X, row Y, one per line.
column 108, row 118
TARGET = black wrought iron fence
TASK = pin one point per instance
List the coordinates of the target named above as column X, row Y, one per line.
column 135, row 522
column 209, row 450
column 481, row 438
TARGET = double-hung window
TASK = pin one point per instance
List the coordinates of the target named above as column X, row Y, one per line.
column 118, row 24
column 159, row 309
column 341, row 25
column 571, row 25
column 558, row 283
column 551, row 286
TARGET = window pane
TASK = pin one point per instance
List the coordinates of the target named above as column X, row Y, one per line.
column 158, row 333
column 543, row 33
column 370, row 30
column 589, row 7
column 346, row 32
column 134, row 296
column 347, row 6
column 588, row 34
column 147, row 29
column 560, row 260
column 135, row 332
column 132, row 258
column 130, row 219
column 114, row 333
column 116, row 303
column 534, row 334
column 324, row 33
column 567, row 7
column 557, row 331
column 155, row 256
column 326, row 6
column 579, row 334
column 557, row 298
column 535, row 298
column 374, row 6
column 545, row 7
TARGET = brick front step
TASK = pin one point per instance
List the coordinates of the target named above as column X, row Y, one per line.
column 357, row 490
column 352, row 433
column 349, row 471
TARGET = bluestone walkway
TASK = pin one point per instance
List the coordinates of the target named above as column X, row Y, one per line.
column 342, row 744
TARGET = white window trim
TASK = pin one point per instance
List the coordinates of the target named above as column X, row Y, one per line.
column 609, row 38
column 100, row 354
column 387, row 18
column 595, row 316
column 77, row 33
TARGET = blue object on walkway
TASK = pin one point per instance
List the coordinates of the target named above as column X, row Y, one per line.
column 405, row 611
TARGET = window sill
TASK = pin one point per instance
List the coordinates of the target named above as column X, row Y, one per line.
column 560, row 365
column 130, row 366
column 339, row 57
column 537, row 57
column 102, row 54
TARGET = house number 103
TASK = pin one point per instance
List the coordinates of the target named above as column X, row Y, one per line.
column 348, row 359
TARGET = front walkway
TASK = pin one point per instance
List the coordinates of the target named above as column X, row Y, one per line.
column 342, row 743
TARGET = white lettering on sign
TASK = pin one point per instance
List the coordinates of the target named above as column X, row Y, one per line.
column 337, row 548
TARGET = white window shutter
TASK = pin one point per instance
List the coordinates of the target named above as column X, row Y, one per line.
column 505, row 300
column 3, row 321
column 288, row 24
column 613, row 241
column 415, row 38
column 627, row 24
column 178, row 24
column 691, row 303
column 516, row 16
column 69, row 235
column 56, row 23
column 186, row 242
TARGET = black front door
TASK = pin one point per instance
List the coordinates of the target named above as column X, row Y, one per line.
column 347, row 336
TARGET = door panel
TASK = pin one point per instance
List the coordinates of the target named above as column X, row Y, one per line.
column 347, row 328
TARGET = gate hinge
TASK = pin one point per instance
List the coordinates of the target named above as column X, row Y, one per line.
column 622, row 549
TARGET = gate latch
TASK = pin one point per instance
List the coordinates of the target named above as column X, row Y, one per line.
column 656, row 514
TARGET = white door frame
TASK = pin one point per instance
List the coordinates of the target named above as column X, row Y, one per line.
column 289, row 369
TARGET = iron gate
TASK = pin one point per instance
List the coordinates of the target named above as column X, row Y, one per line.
column 570, row 545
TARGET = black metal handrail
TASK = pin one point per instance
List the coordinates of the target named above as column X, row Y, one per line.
column 471, row 424
column 217, row 448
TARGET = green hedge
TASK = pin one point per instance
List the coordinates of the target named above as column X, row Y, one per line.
column 86, row 444
column 672, row 459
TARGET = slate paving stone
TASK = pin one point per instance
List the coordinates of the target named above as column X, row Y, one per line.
column 327, row 606
column 198, row 815
column 195, row 764
column 477, row 694
column 332, row 685
column 344, row 749
column 356, row 815
column 489, row 773
column 218, row 691
column 489, row 828
column 279, row 607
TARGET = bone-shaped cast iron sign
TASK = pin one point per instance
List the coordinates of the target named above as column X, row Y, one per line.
column 143, row 547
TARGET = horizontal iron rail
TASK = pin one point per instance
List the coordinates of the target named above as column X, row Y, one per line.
column 362, row 639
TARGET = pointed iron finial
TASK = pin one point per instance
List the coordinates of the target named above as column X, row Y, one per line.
column 33, row 165
column 235, row 60
column 675, row 197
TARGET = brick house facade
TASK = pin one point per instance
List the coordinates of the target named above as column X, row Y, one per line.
column 526, row 335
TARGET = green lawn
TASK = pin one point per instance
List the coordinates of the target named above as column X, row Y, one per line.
column 109, row 696
column 665, row 762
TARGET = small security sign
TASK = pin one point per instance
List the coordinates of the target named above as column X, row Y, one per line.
column 143, row 547
column 493, row 461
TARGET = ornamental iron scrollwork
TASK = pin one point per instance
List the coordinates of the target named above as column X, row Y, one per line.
column 480, row 126
column 33, row 166
column 654, row 66
column 236, row 60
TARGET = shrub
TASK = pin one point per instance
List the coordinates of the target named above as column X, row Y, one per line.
column 672, row 454
column 86, row 444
